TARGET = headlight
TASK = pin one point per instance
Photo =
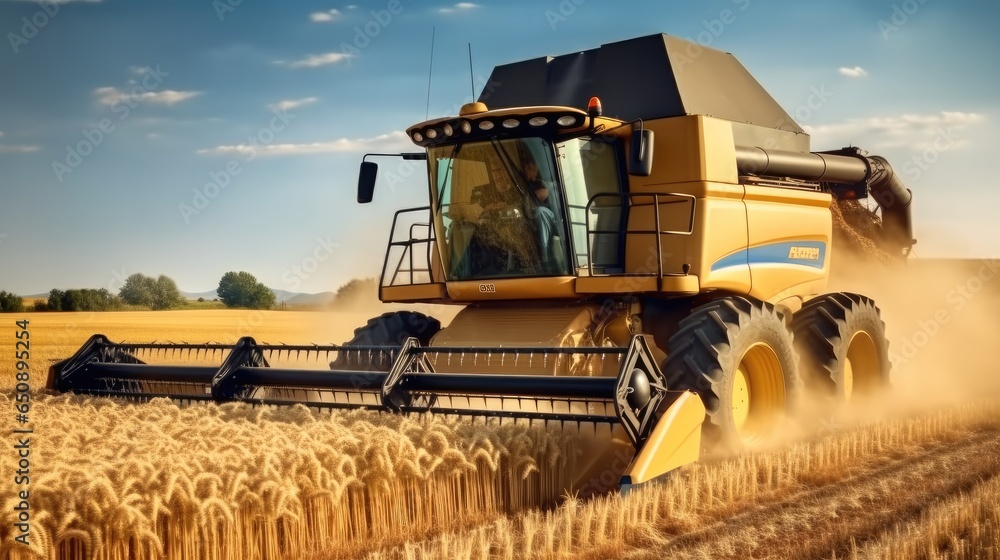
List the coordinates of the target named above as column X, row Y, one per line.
column 639, row 393
column 466, row 127
column 448, row 130
column 431, row 133
column 568, row 120
column 538, row 121
column 486, row 125
column 417, row 137
column 511, row 123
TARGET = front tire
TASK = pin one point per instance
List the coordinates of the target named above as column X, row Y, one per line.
column 738, row 355
column 387, row 330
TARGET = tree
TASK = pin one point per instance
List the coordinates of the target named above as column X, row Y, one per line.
column 165, row 294
column 241, row 289
column 10, row 303
column 138, row 290
column 357, row 293
column 142, row 290
column 55, row 300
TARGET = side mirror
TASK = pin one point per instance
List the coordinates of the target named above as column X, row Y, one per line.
column 366, row 181
column 640, row 160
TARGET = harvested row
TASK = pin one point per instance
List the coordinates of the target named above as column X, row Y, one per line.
column 692, row 515
column 158, row 480
column 966, row 526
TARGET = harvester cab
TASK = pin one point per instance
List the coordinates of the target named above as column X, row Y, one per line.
column 653, row 279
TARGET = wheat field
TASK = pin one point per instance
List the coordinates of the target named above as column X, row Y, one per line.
column 157, row 480
column 115, row 480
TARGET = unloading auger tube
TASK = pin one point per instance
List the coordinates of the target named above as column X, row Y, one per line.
column 860, row 173
column 633, row 398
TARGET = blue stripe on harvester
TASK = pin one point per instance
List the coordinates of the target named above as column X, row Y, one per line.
column 773, row 253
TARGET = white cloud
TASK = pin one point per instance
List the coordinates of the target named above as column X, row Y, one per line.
column 169, row 96
column 853, row 72
column 315, row 60
column 392, row 142
column 458, row 7
column 914, row 131
column 323, row 17
column 289, row 104
column 153, row 135
column 14, row 149
column 111, row 95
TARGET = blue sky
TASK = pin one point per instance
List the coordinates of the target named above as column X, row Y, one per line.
column 116, row 115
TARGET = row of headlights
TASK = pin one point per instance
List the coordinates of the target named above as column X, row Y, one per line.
column 448, row 130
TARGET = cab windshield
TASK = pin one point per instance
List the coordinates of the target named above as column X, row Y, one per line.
column 499, row 206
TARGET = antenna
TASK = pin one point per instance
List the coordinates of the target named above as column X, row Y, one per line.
column 430, row 71
column 472, row 79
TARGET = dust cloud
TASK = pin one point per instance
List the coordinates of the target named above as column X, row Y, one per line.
column 942, row 319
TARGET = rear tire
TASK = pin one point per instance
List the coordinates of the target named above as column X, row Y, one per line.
column 390, row 330
column 738, row 355
column 841, row 338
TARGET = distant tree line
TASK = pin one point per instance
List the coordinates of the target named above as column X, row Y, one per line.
column 84, row 299
column 138, row 291
column 236, row 289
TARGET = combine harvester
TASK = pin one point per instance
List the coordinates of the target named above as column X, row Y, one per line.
column 665, row 298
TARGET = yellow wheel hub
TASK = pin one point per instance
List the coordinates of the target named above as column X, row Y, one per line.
column 758, row 394
column 862, row 369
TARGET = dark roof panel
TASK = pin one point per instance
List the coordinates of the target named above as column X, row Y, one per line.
column 647, row 77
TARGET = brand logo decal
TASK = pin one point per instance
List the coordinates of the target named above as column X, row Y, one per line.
column 804, row 253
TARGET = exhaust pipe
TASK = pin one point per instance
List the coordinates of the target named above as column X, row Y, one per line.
column 848, row 166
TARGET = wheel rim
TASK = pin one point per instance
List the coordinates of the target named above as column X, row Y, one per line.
column 847, row 384
column 758, row 398
column 741, row 398
column 862, row 368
